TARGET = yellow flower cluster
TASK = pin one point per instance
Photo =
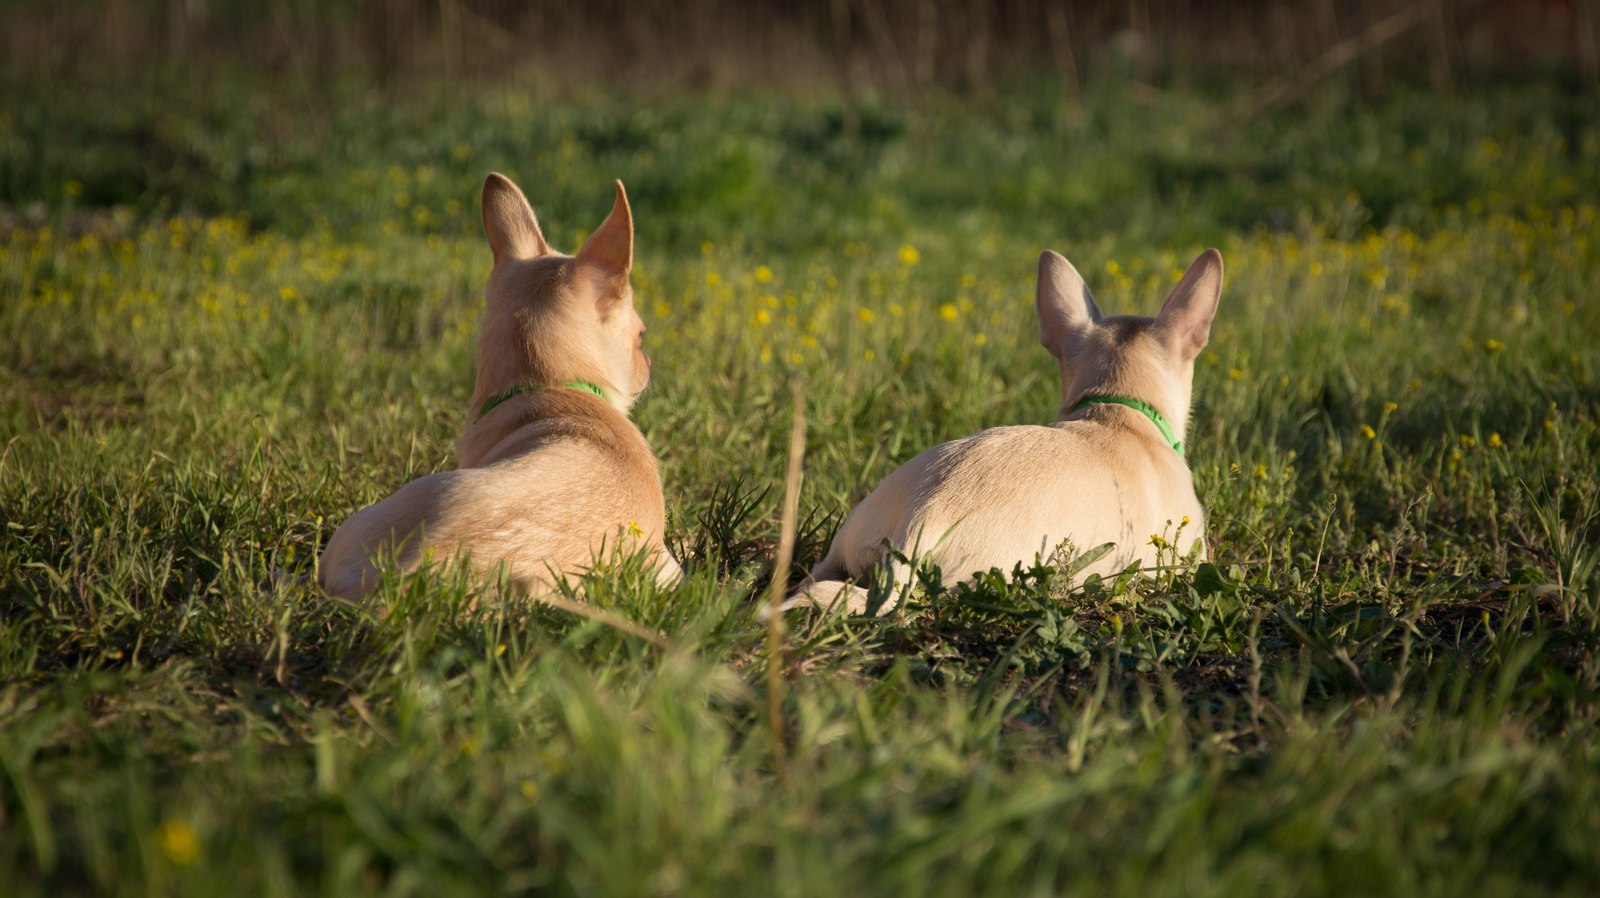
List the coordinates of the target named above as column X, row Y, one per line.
column 859, row 305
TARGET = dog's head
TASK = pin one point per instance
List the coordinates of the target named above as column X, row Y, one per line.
column 553, row 318
column 1151, row 359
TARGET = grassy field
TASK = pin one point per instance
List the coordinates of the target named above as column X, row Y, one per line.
column 237, row 310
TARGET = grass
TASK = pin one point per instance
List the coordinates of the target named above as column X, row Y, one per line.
column 1385, row 683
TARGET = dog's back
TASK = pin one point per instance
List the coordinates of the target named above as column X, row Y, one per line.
column 987, row 501
column 569, row 487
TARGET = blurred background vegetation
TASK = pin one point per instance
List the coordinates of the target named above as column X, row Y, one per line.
column 905, row 45
column 1082, row 116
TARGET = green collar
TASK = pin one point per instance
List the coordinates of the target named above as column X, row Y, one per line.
column 498, row 398
column 1137, row 405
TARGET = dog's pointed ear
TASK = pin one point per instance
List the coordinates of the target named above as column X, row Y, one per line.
column 1184, row 324
column 1063, row 301
column 609, row 250
column 508, row 221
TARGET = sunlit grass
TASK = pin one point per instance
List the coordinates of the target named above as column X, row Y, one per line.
column 1386, row 682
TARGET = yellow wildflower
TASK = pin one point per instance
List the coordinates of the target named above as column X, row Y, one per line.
column 177, row 842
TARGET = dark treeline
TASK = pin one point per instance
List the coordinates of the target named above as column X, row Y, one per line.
column 885, row 44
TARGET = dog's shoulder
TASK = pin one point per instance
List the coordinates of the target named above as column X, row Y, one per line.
column 566, row 422
column 1010, row 441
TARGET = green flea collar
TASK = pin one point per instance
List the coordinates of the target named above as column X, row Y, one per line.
column 1137, row 405
column 498, row 398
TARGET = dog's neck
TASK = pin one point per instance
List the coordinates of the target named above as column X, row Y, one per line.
column 487, row 439
column 1140, row 406
column 503, row 395
column 1168, row 404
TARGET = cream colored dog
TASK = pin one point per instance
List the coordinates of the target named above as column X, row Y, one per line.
column 1110, row 470
column 552, row 474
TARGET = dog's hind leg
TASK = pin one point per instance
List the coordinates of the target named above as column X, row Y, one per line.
column 827, row 588
column 830, row 595
column 824, row 586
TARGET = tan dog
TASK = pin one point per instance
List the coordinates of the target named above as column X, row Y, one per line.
column 1110, row 470
column 552, row 474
